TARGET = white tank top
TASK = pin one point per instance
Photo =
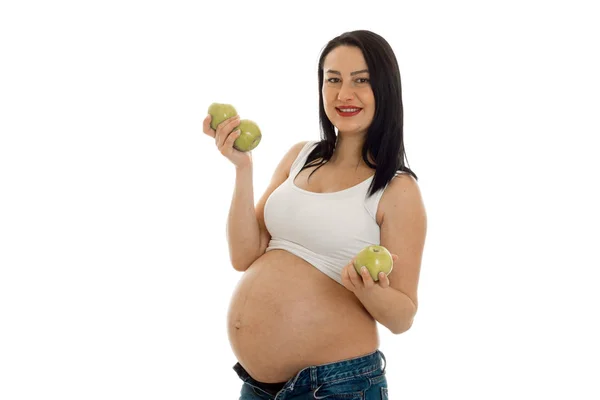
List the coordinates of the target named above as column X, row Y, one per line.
column 325, row 229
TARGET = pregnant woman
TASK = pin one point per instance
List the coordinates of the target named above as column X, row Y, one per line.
column 302, row 322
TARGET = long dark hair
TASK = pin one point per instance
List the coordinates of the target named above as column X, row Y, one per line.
column 385, row 136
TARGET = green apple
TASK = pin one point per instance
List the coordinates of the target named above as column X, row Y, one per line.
column 219, row 112
column 376, row 258
column 250, row 136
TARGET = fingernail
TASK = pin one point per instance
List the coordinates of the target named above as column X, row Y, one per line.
column 364, row 269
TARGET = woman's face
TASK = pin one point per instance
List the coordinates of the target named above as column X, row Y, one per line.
column 347, row 95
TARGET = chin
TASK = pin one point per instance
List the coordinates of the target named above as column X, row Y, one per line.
column 344, row 129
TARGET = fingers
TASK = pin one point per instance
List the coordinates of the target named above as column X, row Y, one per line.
column 228, row 145
column 346, row 279
column 355, row 278
column 224, row 129
column 366, row 277
column 206, row 126
column 384, row 282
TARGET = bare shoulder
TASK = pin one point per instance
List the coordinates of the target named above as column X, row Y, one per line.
column 402, row 194
column 291, row 155
column 296, row 148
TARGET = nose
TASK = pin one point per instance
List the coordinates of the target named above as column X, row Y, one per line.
column 346, row 92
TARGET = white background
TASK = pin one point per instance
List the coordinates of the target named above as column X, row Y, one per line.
column 115, row 276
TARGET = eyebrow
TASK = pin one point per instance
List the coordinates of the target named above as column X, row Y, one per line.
column 333, row 71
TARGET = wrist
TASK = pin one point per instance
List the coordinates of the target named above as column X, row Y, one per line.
column 245, row 168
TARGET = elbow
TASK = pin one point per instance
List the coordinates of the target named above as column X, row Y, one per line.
column 404, row 319
column 396, row 330
column 240, row 263
column 402, row 325
column 240, row 266
column 242, row 260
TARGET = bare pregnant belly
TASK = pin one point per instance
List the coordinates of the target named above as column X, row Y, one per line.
column 286, row 315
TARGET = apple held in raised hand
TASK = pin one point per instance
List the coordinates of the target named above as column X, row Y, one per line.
column 250, row 136
column 219, row 112
column 376, row 258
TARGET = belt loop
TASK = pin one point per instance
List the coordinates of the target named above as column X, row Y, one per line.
column 313, row 378
column 384, row 360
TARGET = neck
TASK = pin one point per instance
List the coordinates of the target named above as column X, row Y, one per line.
column 348, row 152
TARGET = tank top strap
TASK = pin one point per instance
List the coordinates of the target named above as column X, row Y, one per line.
column 372, row 203
column 301, row 158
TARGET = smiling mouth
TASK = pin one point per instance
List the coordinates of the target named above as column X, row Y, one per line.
column 348, row 112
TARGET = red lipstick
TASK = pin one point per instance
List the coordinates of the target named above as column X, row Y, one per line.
column 355, row 111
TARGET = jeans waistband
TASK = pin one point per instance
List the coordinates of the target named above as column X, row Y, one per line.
column 316, row 375
column 353, row 367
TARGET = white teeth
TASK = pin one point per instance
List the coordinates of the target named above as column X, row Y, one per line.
column 349, row 109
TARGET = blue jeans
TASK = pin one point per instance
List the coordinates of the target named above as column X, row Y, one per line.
column 361, row 378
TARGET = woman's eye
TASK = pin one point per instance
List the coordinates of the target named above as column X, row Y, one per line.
column 337, row 80
column 359, row 80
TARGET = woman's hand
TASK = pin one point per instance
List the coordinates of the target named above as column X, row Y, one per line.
column 358, row 283
column 224, row 137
